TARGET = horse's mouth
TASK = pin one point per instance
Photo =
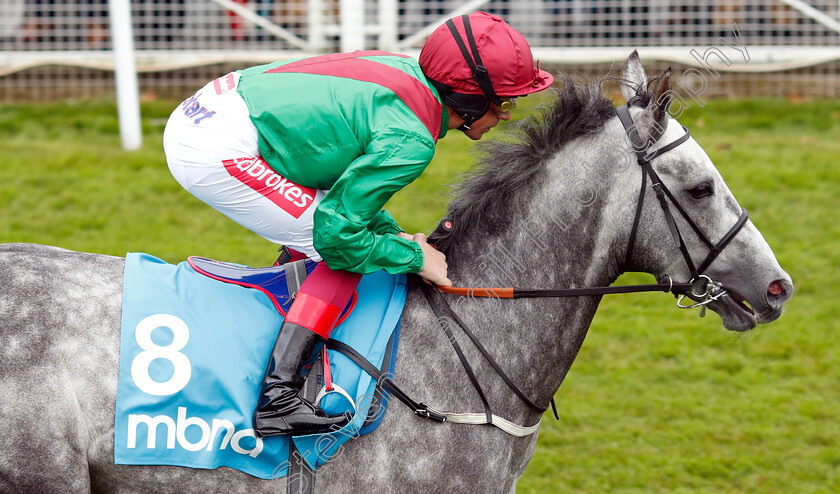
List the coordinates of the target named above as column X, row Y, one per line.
column 764, row 314
column 742, row 303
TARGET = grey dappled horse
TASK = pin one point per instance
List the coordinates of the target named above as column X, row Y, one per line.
column 553, row 209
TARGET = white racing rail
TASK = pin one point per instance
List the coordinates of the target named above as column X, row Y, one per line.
column 145, row 36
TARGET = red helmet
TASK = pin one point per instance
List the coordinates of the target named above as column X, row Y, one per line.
column 491, row 44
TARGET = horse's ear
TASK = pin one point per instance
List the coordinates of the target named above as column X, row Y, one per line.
column 634, row 76
column 662, row 99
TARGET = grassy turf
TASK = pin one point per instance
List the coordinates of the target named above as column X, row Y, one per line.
column 658, row 400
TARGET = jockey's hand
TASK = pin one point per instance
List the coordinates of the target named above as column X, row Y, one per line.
column 434, row 262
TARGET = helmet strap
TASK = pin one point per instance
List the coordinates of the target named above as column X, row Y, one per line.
column 480, row 74
column 469, row 107
column 468, row 120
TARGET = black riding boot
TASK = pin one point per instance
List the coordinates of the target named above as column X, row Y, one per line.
column 280, row 410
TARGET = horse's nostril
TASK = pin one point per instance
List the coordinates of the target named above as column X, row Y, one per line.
column 776, row 288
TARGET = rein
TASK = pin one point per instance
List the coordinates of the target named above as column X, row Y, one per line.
column 510, row 292
column 700, row 287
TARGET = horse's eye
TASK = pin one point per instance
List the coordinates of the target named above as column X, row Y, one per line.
column 702, row 190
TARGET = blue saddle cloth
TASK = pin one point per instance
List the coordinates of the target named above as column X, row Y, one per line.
column 193, row 351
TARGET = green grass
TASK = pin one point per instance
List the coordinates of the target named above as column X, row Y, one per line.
column 658, row 400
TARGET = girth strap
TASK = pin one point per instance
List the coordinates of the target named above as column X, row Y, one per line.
column 295, row 275
column 499, row 422
column 300, row 479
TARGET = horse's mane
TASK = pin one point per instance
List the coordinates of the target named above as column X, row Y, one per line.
column 509, row 166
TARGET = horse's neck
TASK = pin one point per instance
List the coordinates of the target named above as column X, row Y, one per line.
column 570, row 234
column 562, row 241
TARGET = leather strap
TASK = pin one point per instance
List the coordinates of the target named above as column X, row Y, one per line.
column 640, row 202
column 384, row 380
column 718, row 248
column 640, row 147
column 425, row 411
column 380, row 395
column 300, row 479
column 295, row 275
column 509, row 292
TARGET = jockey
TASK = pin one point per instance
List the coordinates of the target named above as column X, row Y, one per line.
column 306, row 152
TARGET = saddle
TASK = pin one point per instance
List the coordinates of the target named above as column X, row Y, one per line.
column 275, row 281
column 280, row 282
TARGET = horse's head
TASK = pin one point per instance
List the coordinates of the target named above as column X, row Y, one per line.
column 706, row 215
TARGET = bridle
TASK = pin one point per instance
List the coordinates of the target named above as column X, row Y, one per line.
column 662, row 193
column 701, row 287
